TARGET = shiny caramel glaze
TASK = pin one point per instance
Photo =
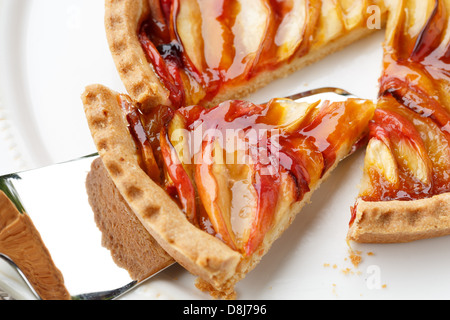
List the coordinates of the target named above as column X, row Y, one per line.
column 200, row 47
column 234, row 167
column 411, row 127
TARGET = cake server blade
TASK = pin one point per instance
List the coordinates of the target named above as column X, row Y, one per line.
column 56, row 200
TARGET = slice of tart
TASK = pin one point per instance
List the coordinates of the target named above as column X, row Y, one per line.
column 216, row 187
column 185, row 52
column 405, row 191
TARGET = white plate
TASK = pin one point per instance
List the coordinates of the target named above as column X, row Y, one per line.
column 51, row 49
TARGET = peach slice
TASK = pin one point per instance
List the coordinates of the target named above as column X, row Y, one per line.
column 214, row 33
column 291, row 29
column 240, row 199
column 417, row 14
column 243, row 203
column 302, row 158
column 430, row 36
column 189, row 29
column 380, row 166
column 201, row 32
column 419, row 101
column 395, row 20
column 290, row 33
column 179, row 138
column 415, row 28
column 177, row 174
column 414, row 88
column 287, row 114
column 337, row 126
column 413, row 160
column 167, row 69
column 252, row 19
column 330, row 23
column 380, row 158
column 407, row 145
column 267, row 194
column 436, row 142
column 211, row 178
column 353, row 12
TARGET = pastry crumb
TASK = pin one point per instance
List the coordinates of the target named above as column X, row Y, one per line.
column 346, row 271
column 334, row 289
column 355, row 259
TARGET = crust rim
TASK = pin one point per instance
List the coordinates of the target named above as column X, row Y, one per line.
column 122, row 21
column 199, row 252
column 401, row 221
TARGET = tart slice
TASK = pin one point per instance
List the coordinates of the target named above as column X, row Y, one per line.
column 405, row 191
column 185, row 52
column 216, row 187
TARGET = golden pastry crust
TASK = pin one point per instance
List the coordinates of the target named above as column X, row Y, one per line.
column 401, row 221
column 199, row 252
column 122, row 21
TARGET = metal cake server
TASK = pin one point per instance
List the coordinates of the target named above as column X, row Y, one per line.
column 55, row 199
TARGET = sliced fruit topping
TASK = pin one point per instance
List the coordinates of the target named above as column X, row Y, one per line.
column 407, row 19
column 141, row 138
column 167, row 65
column 330, row 23
column 178, row 177
column 199, row 46
column 211, row 178
column 337, row 126
column 288, row 115
column 430, row 36
column 414, row 160
column 380, row 156
column 416, row 90
column 412, row 122
column 353, row 12
column 380, row 169
column 267, row 189
column 414, row 72
column 407, row 144
column 254, row 161
column 435, row 140
column 292, row 15
column 397, row 165
column 189, row 29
